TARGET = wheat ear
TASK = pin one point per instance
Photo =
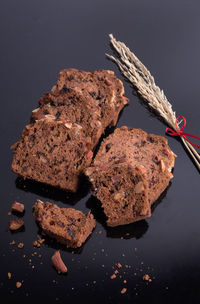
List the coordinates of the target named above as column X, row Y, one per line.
column 142, row 80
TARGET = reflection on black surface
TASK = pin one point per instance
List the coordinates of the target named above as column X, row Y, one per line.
column 159, row 200
column 134, row 230
column 22, row 229
column 18, row 214
column 52, row 243
column 53, row 193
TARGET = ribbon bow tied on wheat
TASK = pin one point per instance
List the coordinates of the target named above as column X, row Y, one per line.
column 142, row 80
column 180, row 132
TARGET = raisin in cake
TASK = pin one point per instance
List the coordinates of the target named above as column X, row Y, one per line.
column 52, row 152
column 68, row 226
column 130, row 171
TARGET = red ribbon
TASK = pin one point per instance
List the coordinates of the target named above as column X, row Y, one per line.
column 181, row 133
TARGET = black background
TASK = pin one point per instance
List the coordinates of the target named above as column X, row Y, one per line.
column 38, row 39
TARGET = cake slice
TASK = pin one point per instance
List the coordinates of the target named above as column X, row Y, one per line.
column 122, row 190
column 68, row 226
column 145, row 156
column 100, row 86
column 72, row 108
column 119, row 99
column 52, row 152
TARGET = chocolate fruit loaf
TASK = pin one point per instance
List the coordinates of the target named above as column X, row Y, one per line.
column 130, row 171
column 68, row 226
column 58, row 144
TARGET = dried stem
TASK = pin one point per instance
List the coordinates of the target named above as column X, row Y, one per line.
column 133, row 69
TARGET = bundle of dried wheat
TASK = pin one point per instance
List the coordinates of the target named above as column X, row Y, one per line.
column 142, row 80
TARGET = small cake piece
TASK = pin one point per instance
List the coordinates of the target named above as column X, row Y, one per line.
column 68, row 226
column 58, row 263
column 52, row 152
column 129, row 163
column 17, row 207
column 102, row 86
column 16, row 224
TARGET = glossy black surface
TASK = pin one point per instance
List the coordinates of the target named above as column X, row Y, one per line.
column 39, row 38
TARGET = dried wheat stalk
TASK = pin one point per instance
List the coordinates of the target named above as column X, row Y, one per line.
column 133, row 69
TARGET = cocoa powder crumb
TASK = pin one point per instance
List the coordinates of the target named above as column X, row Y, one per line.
column 40, row 240
column 20, row 245
column 123, row 290
column 9, row 275
column 36, row 244
column 113, row 276
column 12, row 242
column 18, row 284
column 119, row 265
column 146, row 277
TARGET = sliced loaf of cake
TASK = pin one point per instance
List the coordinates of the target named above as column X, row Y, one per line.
column 58, row 144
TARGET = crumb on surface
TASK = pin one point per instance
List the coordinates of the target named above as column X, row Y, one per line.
column 36, row 244
column 123, row 290
column 20, row 245
column 119, row 265
column 146, row 277
column 9, row 275
column 113, row 276
column 17, row 207
column 18, row 284
column 12, row 242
